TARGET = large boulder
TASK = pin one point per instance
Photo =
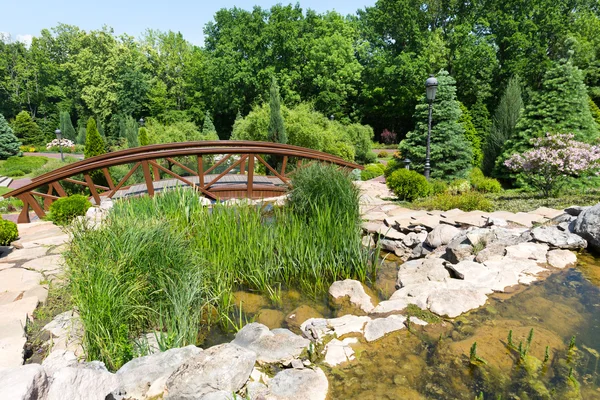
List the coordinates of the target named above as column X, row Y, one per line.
column 138, row 375
column 420, row 271
column 441, row 235
column 561, row 258
column 460, row 248
column 28, row 382
column 270, row 346
column 299, row 384
column 587, row 226
column 558, row 238
column 224, row 367
column 82, row 383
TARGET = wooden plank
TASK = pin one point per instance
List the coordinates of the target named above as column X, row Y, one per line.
column 92, row 187
column 47, row 200
column 284, row 165
column 33, row 204
column 180, row 165
column 222, row 174
column 45, row 196
column 200, row 171
column 243, row 168
column 187, row 182
column 283, row 179
column 24, row 214
column 122, row 182
column 148, row 178
column 59, row 189
column 85, row 183
column 108, row 178
column 250, row 183
column 155, row 173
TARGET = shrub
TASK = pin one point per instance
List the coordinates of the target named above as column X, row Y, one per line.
column 392, row 165
column 62, row 211
column 372, row 171
column 438, row 186
column 19, row 166
column 8, row 232
column 408, row 185
column 467, row 201
column 15, row 173
column 483, row 184
column 382, row 154
column 9, row 144
column 459, row 186
column 388, row 137
column 370, row 157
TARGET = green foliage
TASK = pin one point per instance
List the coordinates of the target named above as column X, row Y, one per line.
column 8, row 232
column 458, row 186
column 560, row 106
column 438, row 186
column 66, row 126
column 276, row 132
column 9, row 144
column 451, row 153
column 65, row 209
column 128, row 129
column 372, row 171
column 408, row 185
column 392, row 165
column 208, row 129
column 94, row 145
column 19, row 166
column 26, row 130
column 467, row 201
column 471, row 134
column 383, row 154
column 482, row 184
column 595, row 110
column 178, row 131
column 143, row 137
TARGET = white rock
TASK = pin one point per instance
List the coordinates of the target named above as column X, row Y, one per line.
column 317, row 328
column 82, row 384
column 441, row 235
column 339, row 351
column 18, row 279
column 390, row 233
column 299, row 384
column 422, row 270
column 528, row 251
column 561, row 258
column 58, row 360
column 557, row 238
column 355, row 291
column 270, row 346
column 28, row 382
column 453, row 302
column 379, row 327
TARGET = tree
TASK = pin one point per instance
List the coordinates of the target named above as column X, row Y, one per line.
column 595, row 110
column 471, row 134
column 561, row 105
column 94, row 145
column 451, row 152
column 9, row 144
column 143, row 137
column 276, row 127
column 27, row 130
column 208, row 129
column 503, row 125
column 66, row 126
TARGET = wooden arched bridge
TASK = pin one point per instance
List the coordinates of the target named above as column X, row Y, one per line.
column 218, row 170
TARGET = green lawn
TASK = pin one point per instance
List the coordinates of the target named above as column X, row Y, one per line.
column 21, row 167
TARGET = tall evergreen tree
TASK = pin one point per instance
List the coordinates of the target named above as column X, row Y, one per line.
column 27, row 130
column 143, row 137
column 208, row 127
column 471, row 134
column 451, row 152
column 66, row 126
column 9, row 144
column 94, row 145
column 276, row 131
column 504, row 123
column 560, row 106
column 595, row 110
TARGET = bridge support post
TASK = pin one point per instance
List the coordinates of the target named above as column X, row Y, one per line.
column 148, row 178
column 250, row 181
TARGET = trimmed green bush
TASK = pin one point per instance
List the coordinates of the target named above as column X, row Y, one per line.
column 393, row 165
column 459, row 186
column 467, row 201
column 383, row 154
column 482, row 184
column 19, row 166
column 408, row 185
column 8, row 232
column 438, row 186
column 372, row 171
column 64, row 210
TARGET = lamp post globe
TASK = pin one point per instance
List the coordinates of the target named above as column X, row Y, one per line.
column 431, row 85
column 58, row 134
column 142, row 121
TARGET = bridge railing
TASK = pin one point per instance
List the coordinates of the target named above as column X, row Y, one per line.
column 242, row 156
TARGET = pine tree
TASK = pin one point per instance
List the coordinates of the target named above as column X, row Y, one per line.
column 128, row 129
column 27, row 130
column 595, row 110
column 143, row 137
column 560, row 106
column 208, row 129
column 66, row 126
column 94, row 145
column 471, row 134
column 9, row 144
column 451, row 153
column 276, row 131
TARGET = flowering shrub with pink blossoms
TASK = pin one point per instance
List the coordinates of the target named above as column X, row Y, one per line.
column 555, row 157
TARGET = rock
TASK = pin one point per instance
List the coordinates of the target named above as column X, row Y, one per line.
column 421, row 250
column 575, row 210
column 561, row 258
column 12, row 330
column 566, row 226
column 250, row 302
column 67, row 332
column 493, row 221
column 57, row 360
column 547, row 212
column 370, row 227
column 82, row 383
column 299, row 384
column 458, row 249
column 299, row 315
column 413, row 239
column 353, row 291
column 317, row 328
column 48, row 264
column 18, row 280
column 453, row 302
column 368, row 242
column 397, row 305
column 274, row 346
column 390, row 233
column 423, row 270
column 528, row 251
column 442, row 234
column 379, row 327
column 339, row 351
column 557, row 238
column 224, row 367
column 24, row 254
column 138, row 375
column 587, row 226
column 27, row 382
column 272, row 319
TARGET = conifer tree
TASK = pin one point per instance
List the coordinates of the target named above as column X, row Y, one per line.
column 9, row 144
column 451, row 152
column 560, row 106
column 276, row 132
column 26, row 130
column 471, row 134
column 595, row 110
column 208, row 128
column 143, row 136
column 94, row 145
column 66, row 126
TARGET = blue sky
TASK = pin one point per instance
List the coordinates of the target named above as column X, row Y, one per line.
column 134, row 16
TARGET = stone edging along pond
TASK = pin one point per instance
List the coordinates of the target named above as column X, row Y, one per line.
column 454, row 261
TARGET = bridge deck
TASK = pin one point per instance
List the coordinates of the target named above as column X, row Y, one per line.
column 227, row 181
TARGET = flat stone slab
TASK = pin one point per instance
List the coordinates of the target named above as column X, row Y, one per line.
column 561, row 258
column 13, row 319
column 374, row 216
column 354, row 291
column 525, row 219
column 547, row 212
column 270, row 346
column 528, row 251
column 18, row 280
column 339, row 351
column 51, row 264
column 379, row 327
column 24, row 254
column 317, row 328
column 473, row 218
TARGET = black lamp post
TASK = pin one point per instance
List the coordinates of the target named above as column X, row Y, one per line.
column 407, row 163
column 331, row 117
column 58, row 134
column 142, row 121
column 431, row 85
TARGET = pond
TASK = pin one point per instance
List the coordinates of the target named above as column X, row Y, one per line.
column 434, row 362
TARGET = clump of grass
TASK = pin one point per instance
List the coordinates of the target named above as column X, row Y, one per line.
column 412, row 310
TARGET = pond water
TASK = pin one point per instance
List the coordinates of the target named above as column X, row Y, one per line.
column 434, row 362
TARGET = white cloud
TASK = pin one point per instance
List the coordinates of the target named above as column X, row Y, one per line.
column 4, row 37
column 25, row 39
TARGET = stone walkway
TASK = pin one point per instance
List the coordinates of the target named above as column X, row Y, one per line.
column 25, row 272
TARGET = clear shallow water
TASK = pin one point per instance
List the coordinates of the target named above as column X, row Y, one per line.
column 434, row 362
